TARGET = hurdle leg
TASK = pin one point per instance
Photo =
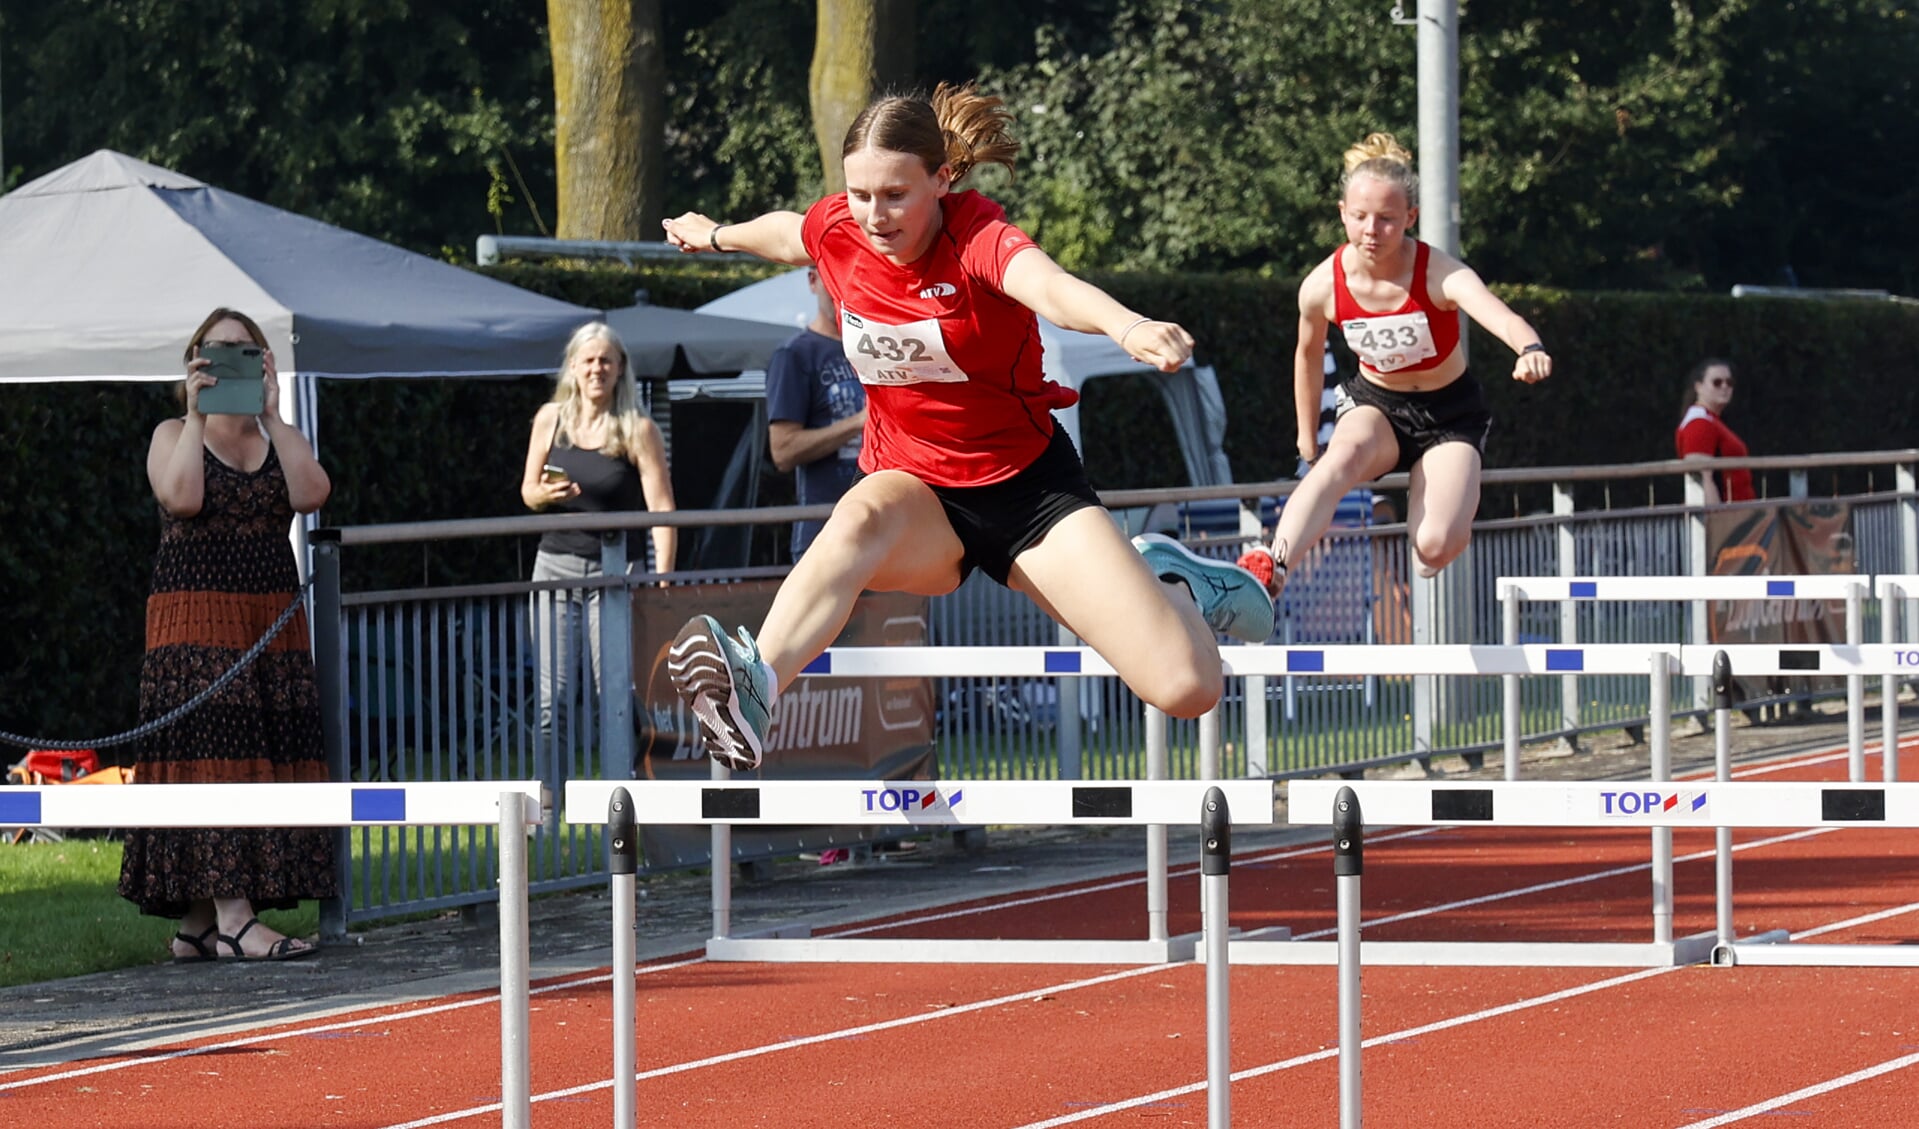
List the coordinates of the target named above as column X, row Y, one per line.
column 516, row 1051
column 722, row 852
column 1891, row 607
column 1209, row 744
column 1659, row 737
column 1155, row 833
column 1348, row 862
column 1855, row 691
column 1509, row 684
column 623, row 864
column 1216, row 858
column 1722, row 836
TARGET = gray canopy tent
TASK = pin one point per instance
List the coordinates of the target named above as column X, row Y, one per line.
column 108, row 263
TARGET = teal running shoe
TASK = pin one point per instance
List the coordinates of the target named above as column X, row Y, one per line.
column 724, row 684
column 1232, row 600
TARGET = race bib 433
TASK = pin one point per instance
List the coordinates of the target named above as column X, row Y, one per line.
column 1392, row 341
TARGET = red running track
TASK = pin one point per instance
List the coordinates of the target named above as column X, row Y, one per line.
column 1030, row 1046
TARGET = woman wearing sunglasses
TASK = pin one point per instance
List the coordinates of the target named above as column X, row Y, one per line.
column 1703, row 434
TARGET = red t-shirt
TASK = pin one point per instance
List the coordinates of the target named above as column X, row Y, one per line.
column 1413, row 338
column 1702, row 433
column 955, row 394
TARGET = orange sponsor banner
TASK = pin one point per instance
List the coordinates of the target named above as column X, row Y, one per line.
column 1810, row 538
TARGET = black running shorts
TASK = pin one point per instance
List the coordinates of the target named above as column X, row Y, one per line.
column 1421, row 421
column 997, row 523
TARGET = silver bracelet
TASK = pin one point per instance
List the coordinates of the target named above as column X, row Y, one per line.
column 1129, row 329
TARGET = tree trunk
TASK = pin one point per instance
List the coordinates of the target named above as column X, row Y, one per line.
column 861, row 49
column 609, row 117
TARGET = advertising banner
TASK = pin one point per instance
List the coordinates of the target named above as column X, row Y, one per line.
column 1799, row 540
column 823, row 728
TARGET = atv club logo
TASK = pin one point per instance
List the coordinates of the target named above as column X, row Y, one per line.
column 940, row 290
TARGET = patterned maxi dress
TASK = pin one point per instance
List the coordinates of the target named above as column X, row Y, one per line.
column 220, row 579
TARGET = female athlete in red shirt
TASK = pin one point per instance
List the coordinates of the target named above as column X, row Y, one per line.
column 963, row 463
column 1413, row 405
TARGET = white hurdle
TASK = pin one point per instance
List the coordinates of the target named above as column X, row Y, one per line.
column 1718, row 804
column 620, row 807
column 514, row 806
column 928, row 804
column 1851, row 588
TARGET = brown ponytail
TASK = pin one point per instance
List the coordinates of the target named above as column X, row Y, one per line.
column 957, row 126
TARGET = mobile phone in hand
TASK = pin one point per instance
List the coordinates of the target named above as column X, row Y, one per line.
column 551, row 473
column 238, row 368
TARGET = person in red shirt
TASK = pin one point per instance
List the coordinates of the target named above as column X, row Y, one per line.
column 1703, row 434
column 1412, row 406
column 963, row 464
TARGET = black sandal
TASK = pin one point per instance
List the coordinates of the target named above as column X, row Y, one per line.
column 286, row 948
column 202, row 951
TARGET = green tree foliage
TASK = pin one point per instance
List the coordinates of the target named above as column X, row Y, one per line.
column 398, row 119
column 1628, row 144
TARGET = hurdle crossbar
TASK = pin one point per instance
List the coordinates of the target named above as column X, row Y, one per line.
column 445, row 804
column 1397, row 658
column 1826, row 586
column 930, row 804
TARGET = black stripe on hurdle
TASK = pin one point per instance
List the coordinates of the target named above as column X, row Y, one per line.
column 729, row 803
column 1102, row 803
column 1798, row 660
column 1852, row 805
column 1463, row 805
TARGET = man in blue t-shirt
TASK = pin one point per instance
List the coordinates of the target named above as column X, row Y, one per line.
column 815, row 411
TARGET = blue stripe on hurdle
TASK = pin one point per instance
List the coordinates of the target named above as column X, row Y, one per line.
column 1306, row 662
column 1062, row 662
column 821, row 665
column 1779, row 587
column 379, row 805
column 1565, row 660
column 1584, row 590
column 19, row 809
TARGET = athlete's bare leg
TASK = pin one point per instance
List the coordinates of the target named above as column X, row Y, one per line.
column 889, row 534
column 1362, row 448
column 1441, row 502
column 1087, row 576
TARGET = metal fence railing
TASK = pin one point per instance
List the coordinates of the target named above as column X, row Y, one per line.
column 444, row 683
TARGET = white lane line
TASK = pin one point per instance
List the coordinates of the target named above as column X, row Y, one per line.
column 1117, row 884
column 806, row 1041
column 1853, row 923
column 1575, row 880
column 1377, row 1040
column 492, row 1000
column 1826, row 1087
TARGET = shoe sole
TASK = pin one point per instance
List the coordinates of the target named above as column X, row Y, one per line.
column 1206, row 566
column 698, row 668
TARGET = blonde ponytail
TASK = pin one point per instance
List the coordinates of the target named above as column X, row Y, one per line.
column 1382, row 157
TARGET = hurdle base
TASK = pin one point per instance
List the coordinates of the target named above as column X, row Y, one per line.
column 943, row 950
column 1696, row 949
column 1775, row 947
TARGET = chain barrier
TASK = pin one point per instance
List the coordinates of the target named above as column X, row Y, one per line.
column 179, row 711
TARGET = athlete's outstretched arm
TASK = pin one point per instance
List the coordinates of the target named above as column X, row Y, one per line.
column 1463, row 287
column 1309, row 361
column 1035, row 281
column 774, row 236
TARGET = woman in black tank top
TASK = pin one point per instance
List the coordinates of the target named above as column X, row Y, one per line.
column 591, row 451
